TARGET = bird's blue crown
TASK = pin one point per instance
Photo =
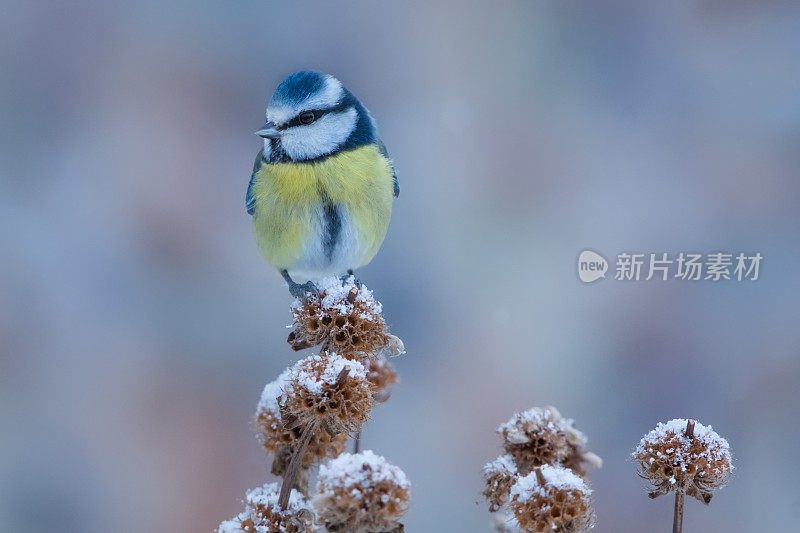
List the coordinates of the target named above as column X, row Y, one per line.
column 349, row 124
column 297, row 88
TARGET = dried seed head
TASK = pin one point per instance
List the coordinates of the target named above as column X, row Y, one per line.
column 382, row 375
column 552, row 499
column 343, row 317
column 262, row 513
column 328, row 390
column 500, row 475
column 361, row 493
column 281, row 437
column 684, row 455
column 542, row 436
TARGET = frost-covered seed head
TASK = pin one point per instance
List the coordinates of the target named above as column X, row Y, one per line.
column 329, row 391
column 343, row 317
column 552, row 498
column 684, row 455
column 382, row 375
column 281, row 438
column 542, row 436
column 262, row 514
column 499, row 475
column 361, row 493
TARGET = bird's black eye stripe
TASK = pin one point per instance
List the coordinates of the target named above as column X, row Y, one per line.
column 317, row 113
column 304, row 118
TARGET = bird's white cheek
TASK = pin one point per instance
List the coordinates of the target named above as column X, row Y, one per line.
column 320, row 138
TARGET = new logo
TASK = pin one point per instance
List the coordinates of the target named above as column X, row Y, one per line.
column 591, row 266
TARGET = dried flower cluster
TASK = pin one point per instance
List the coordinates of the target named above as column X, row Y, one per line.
column 281, row 438
column 345, row 318
column 500, row 476
column 328, row 391
column 342, row 317
column 361, row 493
column 552, row 498
column 539, row 437
column 535, row 439
column 263, row 515
column 308, row 413
column 684, row 455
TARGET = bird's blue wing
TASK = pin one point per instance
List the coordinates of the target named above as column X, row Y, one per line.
column 250, row 199
column 385, row 153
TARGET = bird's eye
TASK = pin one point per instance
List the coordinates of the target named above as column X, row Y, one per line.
column 306, row 117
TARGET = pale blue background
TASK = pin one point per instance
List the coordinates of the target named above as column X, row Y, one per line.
column 138, row 322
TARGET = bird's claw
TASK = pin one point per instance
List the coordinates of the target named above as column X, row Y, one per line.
column 299, row 290
column 302, row 290
column 346, row 277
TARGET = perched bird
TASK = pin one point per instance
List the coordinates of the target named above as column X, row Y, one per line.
column 322, row 187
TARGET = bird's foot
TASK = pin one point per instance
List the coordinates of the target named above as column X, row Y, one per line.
column 302, row 290
column 299, row 290
column 356, row 281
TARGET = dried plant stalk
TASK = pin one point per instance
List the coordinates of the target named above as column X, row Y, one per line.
column 294, row 465
column 677, row 515
column 308, row 413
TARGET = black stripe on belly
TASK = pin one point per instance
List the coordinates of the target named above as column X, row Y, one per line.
column 333, row 226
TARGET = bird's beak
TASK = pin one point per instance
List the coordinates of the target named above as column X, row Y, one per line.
column 268, row 131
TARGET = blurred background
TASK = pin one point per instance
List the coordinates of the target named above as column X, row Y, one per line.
column 138, row 322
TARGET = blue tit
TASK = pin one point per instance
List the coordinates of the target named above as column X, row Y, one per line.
column 322, row 186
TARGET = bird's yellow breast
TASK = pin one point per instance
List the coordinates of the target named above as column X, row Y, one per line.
column 287, row 195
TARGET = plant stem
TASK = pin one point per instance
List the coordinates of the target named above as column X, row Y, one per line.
column 540, row 477
column 357, row 442
column 294, row 465
column 689, row 428
column 677, row 517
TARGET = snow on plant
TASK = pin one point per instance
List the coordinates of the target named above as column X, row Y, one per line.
column 281, row 436
column 552, row 498
column 685, row 457
column 361, row 493
column 329, row 392
column 262, row 513
column 311, row 410
column 541, row 436
column 537, row 441
column 500, row 475
column 342, row 317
